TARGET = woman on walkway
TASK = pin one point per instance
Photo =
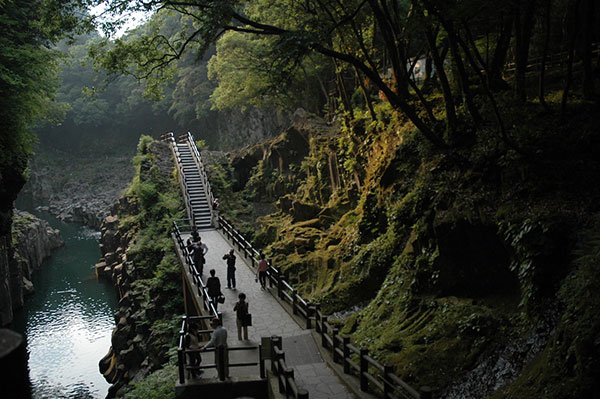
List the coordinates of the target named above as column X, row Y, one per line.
column 262, row 271
column 213, row 285
column 241, row 313
column 193, row 344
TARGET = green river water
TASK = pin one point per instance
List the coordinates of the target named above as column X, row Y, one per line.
column 69, row 320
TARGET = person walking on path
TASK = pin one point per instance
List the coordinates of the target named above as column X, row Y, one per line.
column 241, row 312
column 230, row 258
column 218, row 340
column 199, row 250
column 262, row 271
column 195, row 235
column 213, row 285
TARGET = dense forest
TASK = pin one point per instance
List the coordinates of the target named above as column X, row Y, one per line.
column 437, row 194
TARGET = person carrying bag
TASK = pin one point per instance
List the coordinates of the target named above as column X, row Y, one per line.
column 243, row 318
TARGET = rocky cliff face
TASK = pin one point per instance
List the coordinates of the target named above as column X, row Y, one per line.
column 137, row 256
column 21, row 254
column 80, row 194
column 12, row 166
column 34, row 241
column 249, row 127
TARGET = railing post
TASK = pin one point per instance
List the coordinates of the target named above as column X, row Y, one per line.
column 425, row 392
column 181, row 364
column 288, row 376
column 302, row 393
column 317, row 317
column 334, row 339
column 275, row 343
column 345, row 343
column 261, row 362
column 388, row 388
column 323, row 331
column 364, row 369
column 279, row 283
column 295, row 302
column 309, row 313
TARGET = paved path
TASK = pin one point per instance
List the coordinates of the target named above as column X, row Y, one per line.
column 269, row 318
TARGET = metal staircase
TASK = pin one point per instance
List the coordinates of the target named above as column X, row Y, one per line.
column 201, row 214
column 193, row 180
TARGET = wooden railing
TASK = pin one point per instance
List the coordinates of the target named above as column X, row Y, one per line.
column 198, row 159
column 285, row 375
column 287, row 383
column 170, row 139
column 374, row 376
column 192, row 269
column 220, row 353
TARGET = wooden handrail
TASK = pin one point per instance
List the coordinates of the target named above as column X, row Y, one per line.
column 182, row 351
column 382, row 381
column 198, row 160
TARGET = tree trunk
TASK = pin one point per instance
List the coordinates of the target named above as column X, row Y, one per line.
column 441, row 74
column 366, row 95
column 571, row 22
column 339, row 79
column 524, row 22
column 588, row 34
column 499, row 57
column 541, row 89
column 461, row 71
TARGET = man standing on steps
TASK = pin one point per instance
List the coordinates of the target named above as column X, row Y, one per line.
column 230, row 258
column 218, row 340
column 200, row 249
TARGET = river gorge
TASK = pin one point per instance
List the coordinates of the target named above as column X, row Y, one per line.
column 69, row 319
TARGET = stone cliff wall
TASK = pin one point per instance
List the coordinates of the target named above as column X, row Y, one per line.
column 34, row 241
column 138, row 257
column 249, row 127
column 79, row 195
column 21, row 253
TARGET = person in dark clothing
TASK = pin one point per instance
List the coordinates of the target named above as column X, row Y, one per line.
column 230, row 258
column 192, row 343
column 241, row 311
column 195, row 235
column 213, row 285
column 198, row 258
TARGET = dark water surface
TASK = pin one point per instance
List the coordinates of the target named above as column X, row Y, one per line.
column 69, row 320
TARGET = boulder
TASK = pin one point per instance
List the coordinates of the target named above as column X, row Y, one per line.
column 302, row 211
column 285, row 203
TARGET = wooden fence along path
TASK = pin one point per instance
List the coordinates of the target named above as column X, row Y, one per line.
column 373, row 377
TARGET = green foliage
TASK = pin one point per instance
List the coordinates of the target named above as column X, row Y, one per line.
column 28, row 77
column 158, row 385
column 531, row 242
column 250, row 74
column 568, row 366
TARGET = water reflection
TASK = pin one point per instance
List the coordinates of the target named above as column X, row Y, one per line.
column 69, row 320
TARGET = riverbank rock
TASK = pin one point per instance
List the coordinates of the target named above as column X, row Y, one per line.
column 34, row 241
column 83, row 195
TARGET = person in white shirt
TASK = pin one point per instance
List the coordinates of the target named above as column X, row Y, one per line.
column 218, row 339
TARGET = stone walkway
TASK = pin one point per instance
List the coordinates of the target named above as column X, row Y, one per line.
column 268, row 319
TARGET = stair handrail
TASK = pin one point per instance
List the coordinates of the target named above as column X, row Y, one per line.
column 207, row 189
column 182, row 350
column 342, row 351
column 170, row 138
column 202, row 289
